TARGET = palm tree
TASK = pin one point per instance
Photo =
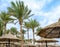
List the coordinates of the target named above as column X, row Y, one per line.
column 33, row 25
column 23, row 31
column 14, row 31
column 38, row 29
column 6, row 19
column 21, row 12
column 1, row 28
column 27, row 25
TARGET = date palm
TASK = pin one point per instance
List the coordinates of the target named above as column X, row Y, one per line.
column 1, row 28
column 5, row 17
column 33, row 25
column 21, row 12
column 38, row 29
column 23, row 31
column 13, row 31
column 27, row 26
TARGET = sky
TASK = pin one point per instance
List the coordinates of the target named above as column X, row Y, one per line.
column 45, row 11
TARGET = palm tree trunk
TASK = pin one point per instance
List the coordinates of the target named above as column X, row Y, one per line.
column 5, row 28
column 33, row 37
column 21, row 35
column 28, row 34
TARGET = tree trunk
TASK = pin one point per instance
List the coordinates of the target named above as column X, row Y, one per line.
column 33, row 37
column 21, row 35
column 28, row 34
column 5, row 28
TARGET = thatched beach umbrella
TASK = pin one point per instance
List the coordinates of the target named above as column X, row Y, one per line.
column 9, row 38
column 45, row 40
column 25, row 44
column 30, row 45
column 51, row 31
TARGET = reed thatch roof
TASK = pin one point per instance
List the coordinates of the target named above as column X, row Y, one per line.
column 51, row 31
column 45, row 39
column 9, row 36
column 28, row 44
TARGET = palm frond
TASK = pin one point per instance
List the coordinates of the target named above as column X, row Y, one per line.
column 19, row 10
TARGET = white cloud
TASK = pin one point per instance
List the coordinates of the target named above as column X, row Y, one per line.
column 36, row 5
column 52, row 16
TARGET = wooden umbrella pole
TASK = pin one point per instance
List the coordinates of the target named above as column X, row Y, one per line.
column 46, row 43
column 8, row 42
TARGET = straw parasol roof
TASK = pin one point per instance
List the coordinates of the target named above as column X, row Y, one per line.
column 45, row 39
column 51, row 31
column 9, row 36
column 28, row 44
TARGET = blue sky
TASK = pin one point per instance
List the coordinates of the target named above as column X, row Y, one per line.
column 45, row 11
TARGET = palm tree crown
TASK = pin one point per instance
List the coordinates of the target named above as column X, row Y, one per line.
column 5, row 17
column 21, row 12
column 38, row 30
column 33, row 25
column 27, row 26
column 14, row 31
